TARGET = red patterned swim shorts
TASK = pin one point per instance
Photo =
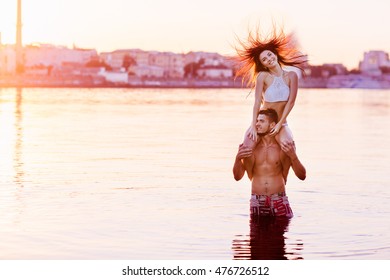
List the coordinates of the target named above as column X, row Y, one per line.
column 275, row 205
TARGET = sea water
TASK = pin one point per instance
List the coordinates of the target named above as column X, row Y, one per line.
column 147, row 174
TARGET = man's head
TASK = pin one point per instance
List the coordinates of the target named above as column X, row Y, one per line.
column 266, row 120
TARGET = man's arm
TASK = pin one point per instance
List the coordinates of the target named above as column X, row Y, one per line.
column 299, row 170
column 243, row 162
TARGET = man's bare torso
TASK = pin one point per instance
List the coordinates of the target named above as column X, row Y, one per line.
column 268, row 169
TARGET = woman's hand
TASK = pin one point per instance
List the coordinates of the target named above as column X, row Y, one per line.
column 252, row 133
column 276, row 129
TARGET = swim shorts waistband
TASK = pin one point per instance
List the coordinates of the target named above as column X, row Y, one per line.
column 279, row 194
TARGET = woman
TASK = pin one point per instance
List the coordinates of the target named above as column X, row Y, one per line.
column 261, row 62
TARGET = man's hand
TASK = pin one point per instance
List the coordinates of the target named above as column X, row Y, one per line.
column 243, row 152
column 239, row 168
column 290, row 149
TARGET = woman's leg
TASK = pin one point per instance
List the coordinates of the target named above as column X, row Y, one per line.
column 285, row 135
column 249, row 142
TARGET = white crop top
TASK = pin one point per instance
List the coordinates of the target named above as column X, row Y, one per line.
column 277, row 91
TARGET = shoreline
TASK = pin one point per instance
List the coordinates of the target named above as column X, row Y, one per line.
column 162, row 87
column 334, row 82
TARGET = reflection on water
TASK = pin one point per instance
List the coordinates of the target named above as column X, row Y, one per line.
column 266, row 241
column 18, row 162
column 11, row 157
column 11, row 136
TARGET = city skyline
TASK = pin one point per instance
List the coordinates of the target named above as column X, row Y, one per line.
column 329, row 32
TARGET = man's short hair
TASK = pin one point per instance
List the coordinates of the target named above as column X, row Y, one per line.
column 270, row 113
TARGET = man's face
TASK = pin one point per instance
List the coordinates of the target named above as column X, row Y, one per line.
column 263, row 125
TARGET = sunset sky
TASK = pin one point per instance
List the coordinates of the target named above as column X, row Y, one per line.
column 329, row 31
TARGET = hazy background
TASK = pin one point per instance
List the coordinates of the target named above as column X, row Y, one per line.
column 330, row 31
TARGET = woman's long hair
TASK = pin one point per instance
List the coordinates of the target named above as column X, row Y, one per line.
column 285, row 47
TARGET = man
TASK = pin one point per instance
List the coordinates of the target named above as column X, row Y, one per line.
column 267, row 167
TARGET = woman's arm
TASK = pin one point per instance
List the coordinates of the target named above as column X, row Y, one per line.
column 290, row 103
column 256, row 106
column 293, row 95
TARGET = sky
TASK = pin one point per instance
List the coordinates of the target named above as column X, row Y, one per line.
column 329, row 31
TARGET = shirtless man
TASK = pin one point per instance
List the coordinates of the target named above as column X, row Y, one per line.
column 267, row 167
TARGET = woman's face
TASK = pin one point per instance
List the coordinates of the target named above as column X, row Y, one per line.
column 268, row 59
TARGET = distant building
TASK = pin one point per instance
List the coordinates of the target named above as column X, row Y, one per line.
column 172, row 63
column 339, row 68
column 7, row 59
column 154, row 64
column 117, row 77
column 207, row 58
column 373, row 61
column 211, row 65
column 354, row 81
column 215, row 72
column 146, row 71
column 148, row 63
column 325, row 70
column 116, row 58
column 50, row 55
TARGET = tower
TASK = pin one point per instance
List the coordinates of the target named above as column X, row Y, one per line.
column 18, row 45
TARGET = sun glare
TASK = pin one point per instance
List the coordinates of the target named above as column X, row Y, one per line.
column 7, row 132
column 8, row 21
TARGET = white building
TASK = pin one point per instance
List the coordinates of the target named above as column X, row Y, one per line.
column 118, row 77
column 215, row 72
column 373, row 61
column 172, row 63
column 46, row 54
column 7, row 59
column 208, row 58
column 115, row 59
column 340, row 68
column 148, row 64
column 147, row 71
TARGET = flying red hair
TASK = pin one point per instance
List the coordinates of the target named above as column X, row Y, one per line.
column 285, row 47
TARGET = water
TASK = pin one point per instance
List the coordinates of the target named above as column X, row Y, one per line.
column 146, row 174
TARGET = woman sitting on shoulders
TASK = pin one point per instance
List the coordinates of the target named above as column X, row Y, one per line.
column 261, row 64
